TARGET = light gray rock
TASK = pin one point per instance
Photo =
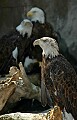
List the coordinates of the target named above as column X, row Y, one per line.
column 22, row 116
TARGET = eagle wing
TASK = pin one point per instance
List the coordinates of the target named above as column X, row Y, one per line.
column 61, row 82
column 7, row 44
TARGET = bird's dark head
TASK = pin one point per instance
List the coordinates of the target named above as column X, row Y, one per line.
column 36, row 14
column 49, row 46
column 25, row 27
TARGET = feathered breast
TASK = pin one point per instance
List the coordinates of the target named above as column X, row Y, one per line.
column 61, row 82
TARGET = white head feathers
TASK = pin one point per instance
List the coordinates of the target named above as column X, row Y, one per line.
column 49, row 46
column 25, row 27
column 36, row 14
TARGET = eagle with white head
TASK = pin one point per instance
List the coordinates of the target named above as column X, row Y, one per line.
column 25, row 27
column 41, row 28
column 15, row 46
column 49, row 47
column 36, row 14
column 58, row 78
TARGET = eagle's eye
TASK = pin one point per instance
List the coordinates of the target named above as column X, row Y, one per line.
column 23, row 23
column 34, row 11
column 28, row 24
column 45, row 40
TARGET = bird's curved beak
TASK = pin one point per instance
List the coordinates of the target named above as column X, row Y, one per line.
column 36, row 42
column 19, row 28
column 29, row 14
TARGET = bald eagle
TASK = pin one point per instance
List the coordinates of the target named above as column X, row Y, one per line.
column 41, row 28
column 59, row 79
column 13, row 47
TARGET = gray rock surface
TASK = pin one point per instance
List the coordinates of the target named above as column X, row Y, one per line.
column 22, row 116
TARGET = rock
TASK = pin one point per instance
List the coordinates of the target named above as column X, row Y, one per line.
column 6, row 90
column 15, row 87
column 22, row 116
column 54, row 114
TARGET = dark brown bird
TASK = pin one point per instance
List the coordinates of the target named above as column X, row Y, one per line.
column 15, row 46
column 59, row 79
column 41, row 28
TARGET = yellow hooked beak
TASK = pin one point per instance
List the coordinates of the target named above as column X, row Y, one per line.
column 36, row 42
column 29, row 14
